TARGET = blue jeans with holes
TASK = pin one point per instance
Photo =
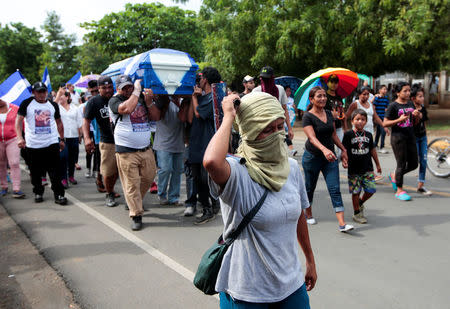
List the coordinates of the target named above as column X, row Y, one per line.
column 297, row 300
column 312, row 166
column 422, row 147
column 169, row 174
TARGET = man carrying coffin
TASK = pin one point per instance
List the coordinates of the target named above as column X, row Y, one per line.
column 130, row 113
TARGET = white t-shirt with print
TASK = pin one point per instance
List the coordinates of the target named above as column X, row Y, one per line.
column 40, row 125
column 133, row 130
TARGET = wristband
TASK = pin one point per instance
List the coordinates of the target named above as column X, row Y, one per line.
column 136, row 92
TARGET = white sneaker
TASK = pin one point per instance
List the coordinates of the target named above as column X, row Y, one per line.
column 383, row 151
column 88, row 174
column 345, row 228
column 424, row 191
column 189, row 211
column 311, row 221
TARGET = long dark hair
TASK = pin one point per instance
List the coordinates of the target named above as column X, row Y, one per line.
column 268, row 86
column 397, row 88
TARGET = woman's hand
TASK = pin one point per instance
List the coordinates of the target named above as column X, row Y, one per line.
column 228, row 105
column 344, row 159
column 329, row 155
column 310, row 276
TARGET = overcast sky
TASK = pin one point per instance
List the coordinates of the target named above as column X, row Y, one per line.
column 32, row 13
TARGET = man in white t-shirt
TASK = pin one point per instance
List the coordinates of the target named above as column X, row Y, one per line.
column 42, row 129
column 131, row 117
column 76, row 99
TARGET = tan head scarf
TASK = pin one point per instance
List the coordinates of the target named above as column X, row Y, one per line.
column 266, row 159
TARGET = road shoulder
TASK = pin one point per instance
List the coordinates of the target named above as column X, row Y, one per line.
column 27, row 281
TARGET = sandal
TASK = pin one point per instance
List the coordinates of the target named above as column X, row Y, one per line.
column 392, row 180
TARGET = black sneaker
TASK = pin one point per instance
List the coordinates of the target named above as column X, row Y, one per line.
column 61, row 200
column 206, row 217
column 137, row 223
column 110, row 200
column 38, row 198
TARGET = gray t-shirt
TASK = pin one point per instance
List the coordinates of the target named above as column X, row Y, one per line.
column 262, row 265
column 169, row 131
column 282, row 97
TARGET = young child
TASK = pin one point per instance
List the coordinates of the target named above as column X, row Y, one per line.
column 417, row 96
column 360, row 151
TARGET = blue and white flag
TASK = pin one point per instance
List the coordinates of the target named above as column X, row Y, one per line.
column 15, row 89
column 46, row 80
column 74, row 78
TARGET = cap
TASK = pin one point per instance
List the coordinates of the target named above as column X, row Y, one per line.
column 266, row 72
column 104, row 80
column 247, row 79
column 39, row 86
column 122, row 81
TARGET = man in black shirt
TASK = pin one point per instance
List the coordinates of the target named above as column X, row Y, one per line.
column 97, row 108
column 202, row 130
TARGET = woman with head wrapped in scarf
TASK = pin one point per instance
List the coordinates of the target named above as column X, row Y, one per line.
column 262, row 265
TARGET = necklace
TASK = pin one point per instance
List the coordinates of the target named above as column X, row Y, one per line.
column 361, row 137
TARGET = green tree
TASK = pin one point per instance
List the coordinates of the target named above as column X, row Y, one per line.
column 141, row 27
column 60, row 51
column 92, row 59
column 20, row 48
column 300, row 37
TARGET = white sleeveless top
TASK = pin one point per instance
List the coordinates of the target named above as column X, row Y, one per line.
column 369, row 125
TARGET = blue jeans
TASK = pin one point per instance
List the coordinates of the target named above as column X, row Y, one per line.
column 68, row 157
column 312, row 166
column 380, row 133
column 170, row 168
column 422, row 147
column 297, row 300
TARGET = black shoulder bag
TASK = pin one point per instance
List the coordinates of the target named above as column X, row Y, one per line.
column 206, row 276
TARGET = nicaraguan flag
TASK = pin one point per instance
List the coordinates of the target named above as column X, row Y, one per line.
column 75, row 78
column 46, row 80
column 15, row 89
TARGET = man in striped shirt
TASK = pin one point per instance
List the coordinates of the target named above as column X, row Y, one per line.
column 381, row 103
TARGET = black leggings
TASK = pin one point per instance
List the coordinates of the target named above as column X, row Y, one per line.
column 405, row 151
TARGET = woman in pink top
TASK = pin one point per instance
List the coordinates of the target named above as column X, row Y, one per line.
column 9, row 151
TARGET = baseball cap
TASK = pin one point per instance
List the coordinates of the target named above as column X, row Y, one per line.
column 104, row 80
column 266, row 72
column 122, row 81
column 247, row 79
column 39, row 86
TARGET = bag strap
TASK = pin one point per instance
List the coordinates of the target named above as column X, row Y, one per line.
column 246, row 220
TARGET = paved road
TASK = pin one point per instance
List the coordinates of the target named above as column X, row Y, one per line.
column 399, row 260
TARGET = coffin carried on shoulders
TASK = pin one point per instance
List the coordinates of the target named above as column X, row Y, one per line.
column 165, row 71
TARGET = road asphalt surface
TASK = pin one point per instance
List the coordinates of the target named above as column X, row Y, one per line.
column 400, row 259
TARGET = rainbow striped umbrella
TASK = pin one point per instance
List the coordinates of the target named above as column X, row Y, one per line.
column 348, row 81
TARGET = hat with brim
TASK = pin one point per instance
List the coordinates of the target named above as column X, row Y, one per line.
column 266, row 72
column 122, row 81
column 39, row 86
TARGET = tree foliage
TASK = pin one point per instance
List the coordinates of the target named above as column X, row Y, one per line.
column 141, row 27
column 20, row 48
column 60, row 51
column 300, row 37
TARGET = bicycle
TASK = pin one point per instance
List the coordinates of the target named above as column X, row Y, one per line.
column 438, row 157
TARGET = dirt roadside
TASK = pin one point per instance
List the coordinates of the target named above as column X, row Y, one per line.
column 26, row 280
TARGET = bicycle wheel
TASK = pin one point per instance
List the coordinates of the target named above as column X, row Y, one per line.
column 438, row 157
